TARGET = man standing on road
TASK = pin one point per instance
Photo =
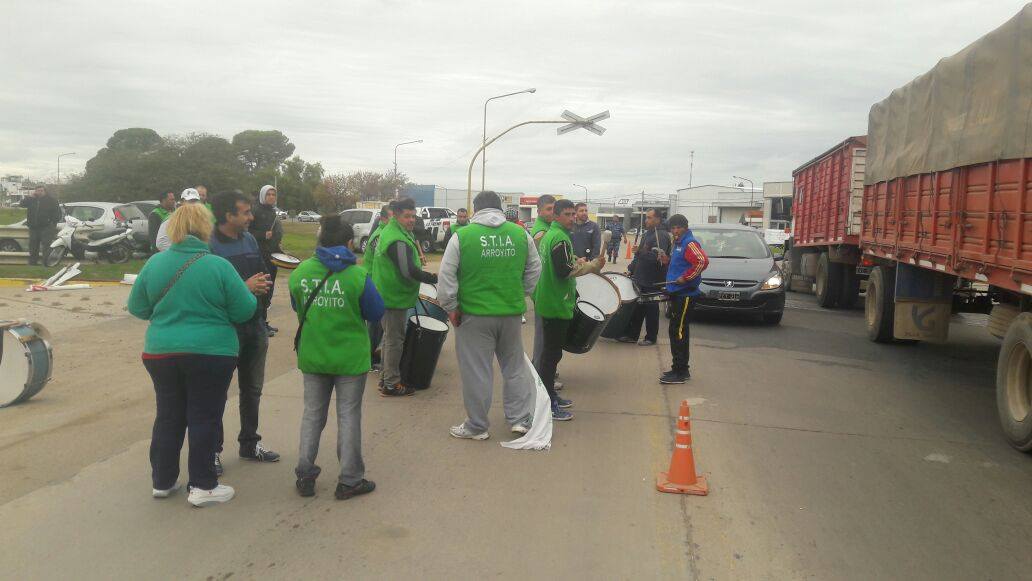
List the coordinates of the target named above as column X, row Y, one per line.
column 268, row 231
column 555, row 297
column 158, row 216
column 488, row 269
column 376, row 327
column 586, row 235
column 648, row 269
column 162, row 241
column 202, row 191
column 232, row 241
column 687, row 262
column 617, row 235
column 43, row 215
column 397, row 273
column 545, row 211
column 461, row 219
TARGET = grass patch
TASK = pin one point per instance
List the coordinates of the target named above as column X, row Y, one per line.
column 11, row 215
column 299, row 238
column 90, row 271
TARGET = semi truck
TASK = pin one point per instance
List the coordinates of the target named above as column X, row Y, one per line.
column 942, row 222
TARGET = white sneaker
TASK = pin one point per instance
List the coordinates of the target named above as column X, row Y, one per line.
column 557, row 385
column 521, row 428
column 217, row 495
column 165, row 493
column 463, row 432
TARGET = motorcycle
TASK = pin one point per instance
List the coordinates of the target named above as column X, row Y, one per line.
column 80, row 238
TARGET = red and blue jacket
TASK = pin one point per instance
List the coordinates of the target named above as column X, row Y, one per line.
column 687, row 261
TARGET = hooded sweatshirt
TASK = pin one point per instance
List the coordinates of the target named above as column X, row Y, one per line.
column 265, row 220
column 477, row 237
column 334, row 339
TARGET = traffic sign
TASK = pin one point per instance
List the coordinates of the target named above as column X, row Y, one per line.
column 578, row 122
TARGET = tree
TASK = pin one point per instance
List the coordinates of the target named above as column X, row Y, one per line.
column 262, row 149
column 137, row 139
column 332, row 196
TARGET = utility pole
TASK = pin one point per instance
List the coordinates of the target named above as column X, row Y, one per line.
column 585, row 192
column 483, row 160
column 59, row 165
column 691, row 166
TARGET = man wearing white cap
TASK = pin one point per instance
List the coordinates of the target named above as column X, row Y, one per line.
column 162, row 242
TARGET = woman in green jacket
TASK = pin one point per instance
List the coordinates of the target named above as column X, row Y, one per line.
column 192, row 298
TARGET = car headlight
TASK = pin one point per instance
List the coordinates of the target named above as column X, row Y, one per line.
column 773, row 281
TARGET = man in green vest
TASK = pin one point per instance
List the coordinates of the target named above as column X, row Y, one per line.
column 376, row 327
column 556, row 296
column 202, row 191
column 161, row 212
column 488, row 267
column 461, row 219
column 545, row 213
column 333, row 298
column 397, row 273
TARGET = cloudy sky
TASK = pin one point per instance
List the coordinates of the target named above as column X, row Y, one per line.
column 753, row 88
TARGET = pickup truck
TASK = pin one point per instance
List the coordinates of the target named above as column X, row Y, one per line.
column 436, row 221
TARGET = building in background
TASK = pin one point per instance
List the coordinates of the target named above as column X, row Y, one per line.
column 711, row 204
column 777, row 205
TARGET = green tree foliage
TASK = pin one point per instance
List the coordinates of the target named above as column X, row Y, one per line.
column 262, row 149
column 139, row 139
column 342, row 191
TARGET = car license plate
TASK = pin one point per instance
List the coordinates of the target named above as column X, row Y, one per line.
column 729, row 296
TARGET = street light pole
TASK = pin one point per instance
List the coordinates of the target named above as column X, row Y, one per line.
column 396, row 162
column 752, row 189
column 59, row 165
column 585, row 192
column 483, row 162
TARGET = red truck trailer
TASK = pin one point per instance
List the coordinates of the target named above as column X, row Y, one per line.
column 827, row 193
column 946, row 213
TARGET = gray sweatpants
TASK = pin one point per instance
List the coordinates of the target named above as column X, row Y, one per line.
column 318, row 391
column 478, row 340
column 394, row 322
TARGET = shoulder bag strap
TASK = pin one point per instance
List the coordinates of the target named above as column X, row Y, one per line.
column 177, row 275
column 308, row 305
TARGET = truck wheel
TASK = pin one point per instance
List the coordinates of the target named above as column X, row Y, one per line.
column 790, row 270
column 829, row 281
column 1014, row 383
column 426, row 246
column 880, row 304
column 850, row 289
column 363, row 244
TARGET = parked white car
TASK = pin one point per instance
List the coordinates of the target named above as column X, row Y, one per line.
column 363, row 222
column 308, row 216
column 436, row 220
column 282, row 214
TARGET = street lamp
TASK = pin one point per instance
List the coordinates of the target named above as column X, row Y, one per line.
column 585, row 192
column 59, row 165
column 752, row 188
column 483, row 162
column 396, row 154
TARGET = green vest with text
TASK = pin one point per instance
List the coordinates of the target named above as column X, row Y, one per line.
column 335, row 339
column 491, row 265
column 397, row 291
column 554, row 297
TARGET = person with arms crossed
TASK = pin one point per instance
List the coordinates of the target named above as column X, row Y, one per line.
column 397, row 274
column 586, row 235
column 232, row 241
column 488, row 269
column 687, row 263
column 42, row 217
column 333, row 298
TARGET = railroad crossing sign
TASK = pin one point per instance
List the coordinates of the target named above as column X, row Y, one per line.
column 578, row 122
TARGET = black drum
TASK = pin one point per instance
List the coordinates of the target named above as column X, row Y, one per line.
column 430, row 309
column 587, row 324
column 424, row 338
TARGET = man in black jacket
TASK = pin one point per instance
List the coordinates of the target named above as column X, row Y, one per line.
column 268, row 231
column 160, row 213
column 648, row 269
column 44, row 214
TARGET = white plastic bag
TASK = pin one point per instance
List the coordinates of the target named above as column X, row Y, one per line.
column 540, row 435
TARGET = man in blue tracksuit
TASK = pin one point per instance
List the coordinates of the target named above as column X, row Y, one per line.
column 687, row 261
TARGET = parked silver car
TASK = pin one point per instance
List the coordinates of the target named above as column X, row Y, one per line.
column 363, row 222
column 308, row 216
column 15, row 237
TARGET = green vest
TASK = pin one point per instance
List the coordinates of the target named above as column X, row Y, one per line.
column 161, row 212
column 370, row 251
column 491, row 265
column 335, row 339
column 455, row 227
column 554, row 297
column 539, row 226
column 397, row 291
column 210, row 211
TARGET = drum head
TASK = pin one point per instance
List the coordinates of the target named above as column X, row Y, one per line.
column 14, row 366
column 591, row 311
column 599, row 291
column 284, row 260
column 428, row 291
column 429, row 323
column 624, row 285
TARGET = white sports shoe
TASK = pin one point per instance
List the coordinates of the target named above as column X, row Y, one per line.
column 217, row 495
column 165, row 493
column 463, row 432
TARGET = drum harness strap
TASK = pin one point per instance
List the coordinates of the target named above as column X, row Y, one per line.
column 308, row 304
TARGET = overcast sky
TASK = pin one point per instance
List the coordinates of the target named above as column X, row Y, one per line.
column 754, row 88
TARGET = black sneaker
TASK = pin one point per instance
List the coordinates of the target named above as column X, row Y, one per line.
column 305, row 486
column 396, row 390
column 345, row 492
column 626, row 339
column 218, row 466
column 672, row 377
column 270, row 330
column 259, row 454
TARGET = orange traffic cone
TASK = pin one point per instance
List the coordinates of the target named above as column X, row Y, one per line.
column 681, row 478
column 628, row 257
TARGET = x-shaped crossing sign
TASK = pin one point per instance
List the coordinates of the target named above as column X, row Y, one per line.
column 578, row 122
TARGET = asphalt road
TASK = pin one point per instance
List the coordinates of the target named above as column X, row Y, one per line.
column 828, row 457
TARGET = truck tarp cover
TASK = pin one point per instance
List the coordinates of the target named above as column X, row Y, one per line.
column 973, row 107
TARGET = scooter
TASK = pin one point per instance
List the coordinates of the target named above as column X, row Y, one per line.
column 80, row 239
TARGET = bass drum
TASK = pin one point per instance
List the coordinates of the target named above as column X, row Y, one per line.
column 26, row 361
column 587, row 324
column 424, row 338
column 617, row 326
